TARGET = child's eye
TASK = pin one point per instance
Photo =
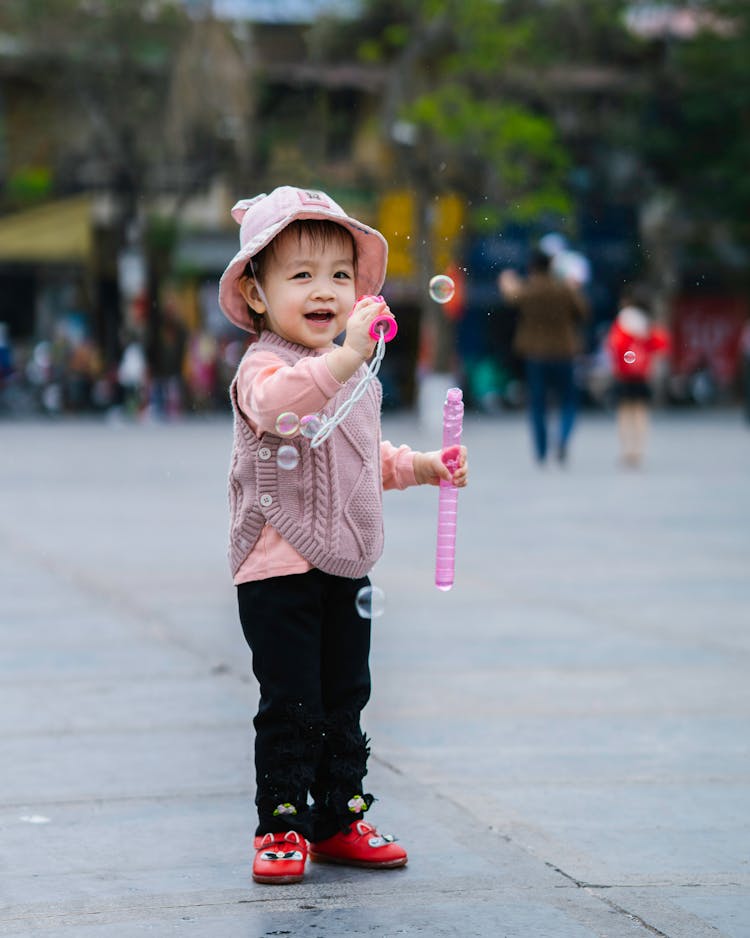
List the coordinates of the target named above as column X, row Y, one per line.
column 301, row 274
column 343, row 275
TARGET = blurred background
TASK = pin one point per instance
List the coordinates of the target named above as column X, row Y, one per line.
column 466, row 130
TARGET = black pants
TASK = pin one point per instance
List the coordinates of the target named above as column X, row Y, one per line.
column 311, row 658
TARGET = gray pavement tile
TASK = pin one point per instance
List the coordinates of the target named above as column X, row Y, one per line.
column 560, row 741
column 113, row 764
column 728, row 914
column 127, row 702
column 692, row 911
column 620, row 834
column 479, row 916
column 43, row 663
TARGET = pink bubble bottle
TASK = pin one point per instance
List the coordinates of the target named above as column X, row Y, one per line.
column 453, row 416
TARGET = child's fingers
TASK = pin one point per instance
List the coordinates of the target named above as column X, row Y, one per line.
column 371, row 305
column 442, row 470
column 460, row 476
column 367, row 312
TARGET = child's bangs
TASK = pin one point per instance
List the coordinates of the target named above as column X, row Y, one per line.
column 321, row 233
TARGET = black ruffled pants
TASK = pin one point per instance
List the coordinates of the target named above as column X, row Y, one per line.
column 311, row 658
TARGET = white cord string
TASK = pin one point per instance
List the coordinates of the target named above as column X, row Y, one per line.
column 330, row 423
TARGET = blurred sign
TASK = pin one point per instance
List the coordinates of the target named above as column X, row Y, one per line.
column 397, row 222
column 706, row 335
column 447, row 223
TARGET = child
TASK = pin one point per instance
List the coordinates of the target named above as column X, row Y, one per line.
column 304, row 533
column 632, row 342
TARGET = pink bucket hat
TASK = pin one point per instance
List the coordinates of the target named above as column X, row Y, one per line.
column 262, row 218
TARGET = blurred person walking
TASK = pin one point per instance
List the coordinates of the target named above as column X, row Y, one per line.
column 132, row 374
column 551, row 312
column 164, row 346
column 632, row 341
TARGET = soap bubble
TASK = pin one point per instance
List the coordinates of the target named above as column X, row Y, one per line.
column 370, row 602
column 287, row 457
column 310, row 424
column 442, row 288
column 629, row 357
column 287, row 424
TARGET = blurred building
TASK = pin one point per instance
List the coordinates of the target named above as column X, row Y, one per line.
column 241, row 102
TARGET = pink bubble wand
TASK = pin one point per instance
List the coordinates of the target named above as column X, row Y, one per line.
column 445, row 558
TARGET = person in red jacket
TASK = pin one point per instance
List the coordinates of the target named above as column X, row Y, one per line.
column 632, row 341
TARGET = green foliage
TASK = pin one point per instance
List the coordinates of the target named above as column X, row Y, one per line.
column 29, row 185
column 455, row 64
column 161, row 233
column 698, row 140
column 519, row 147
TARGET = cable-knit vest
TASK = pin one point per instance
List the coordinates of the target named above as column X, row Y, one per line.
column 329, row 507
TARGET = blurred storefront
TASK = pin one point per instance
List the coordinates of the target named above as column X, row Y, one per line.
column 706, row 331
column 46, row 256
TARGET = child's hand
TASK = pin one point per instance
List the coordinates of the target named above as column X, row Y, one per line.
column 365, row 311
column 429, row 468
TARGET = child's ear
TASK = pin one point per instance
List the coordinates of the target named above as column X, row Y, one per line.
column 249, row 289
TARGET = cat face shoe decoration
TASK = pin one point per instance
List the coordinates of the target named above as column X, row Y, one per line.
column 280, row 858
column 360, row 845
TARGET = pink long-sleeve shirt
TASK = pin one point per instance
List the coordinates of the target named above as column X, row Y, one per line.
column 266, row 387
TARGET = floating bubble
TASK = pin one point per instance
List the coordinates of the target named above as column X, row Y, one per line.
column 442, row 288
column 287, row 424
column 310, row 424
column 287, row 457
column 370, row 602
column 629, row 357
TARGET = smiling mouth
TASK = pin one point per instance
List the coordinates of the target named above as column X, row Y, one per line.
column 319, row 316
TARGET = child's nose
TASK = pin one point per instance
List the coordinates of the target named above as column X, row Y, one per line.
column 323, row 288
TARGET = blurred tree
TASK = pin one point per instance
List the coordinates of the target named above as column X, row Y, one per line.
column 149, row 102
column 447, row 102
column 697, row 144
column 470, row 108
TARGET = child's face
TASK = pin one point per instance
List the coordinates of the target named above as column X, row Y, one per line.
column 310, row 290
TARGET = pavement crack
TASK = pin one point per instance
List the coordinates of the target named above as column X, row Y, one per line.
column 596, row 889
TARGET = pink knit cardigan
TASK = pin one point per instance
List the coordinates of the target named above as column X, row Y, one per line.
column 329, row 507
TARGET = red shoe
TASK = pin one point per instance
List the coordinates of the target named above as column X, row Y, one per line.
column 361, row 845
column 280, row 858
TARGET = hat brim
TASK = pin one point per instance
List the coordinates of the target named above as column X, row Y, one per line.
column 372, row 262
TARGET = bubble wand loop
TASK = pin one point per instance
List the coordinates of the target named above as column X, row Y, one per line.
column 453, row 415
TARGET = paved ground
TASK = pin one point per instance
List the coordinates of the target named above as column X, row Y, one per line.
column 561, row 742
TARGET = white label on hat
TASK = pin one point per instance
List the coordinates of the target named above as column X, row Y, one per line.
column 308, row 197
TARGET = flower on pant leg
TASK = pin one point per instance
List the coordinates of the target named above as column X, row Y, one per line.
column 285, row 808
column 357, row 804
